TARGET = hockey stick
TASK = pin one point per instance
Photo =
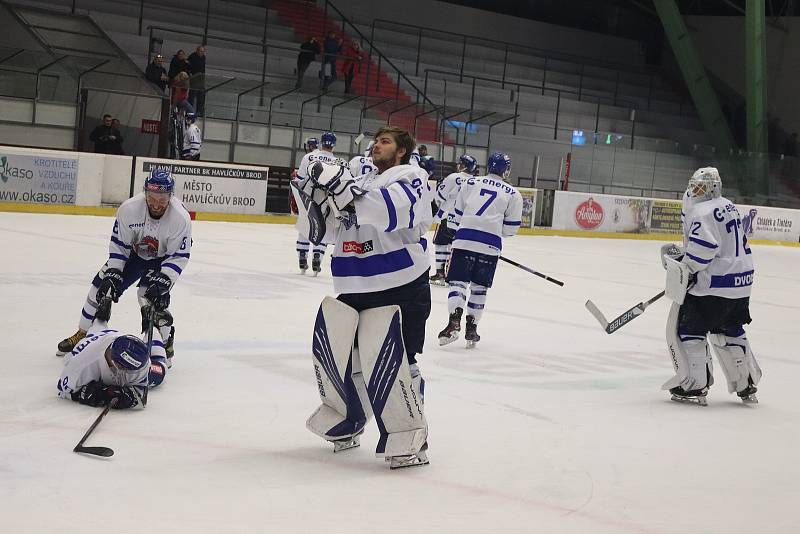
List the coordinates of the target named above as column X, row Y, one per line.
column 537, row 273
column 96, row 451
column 622, row 320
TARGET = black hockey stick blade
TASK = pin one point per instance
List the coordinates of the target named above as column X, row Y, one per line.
column 316, row 219
column 105, row 452
column 537, row 273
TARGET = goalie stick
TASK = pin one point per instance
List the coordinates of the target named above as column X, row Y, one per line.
column 618, row 322
column 96, row 451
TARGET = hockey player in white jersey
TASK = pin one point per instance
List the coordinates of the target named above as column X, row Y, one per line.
column 363, row 164
column 380, row 270
column 709, row 281
column 446, row 193
column 192, row 139
column 108, row 365
column 487, row 209
column 314, row 153
column 150, row 243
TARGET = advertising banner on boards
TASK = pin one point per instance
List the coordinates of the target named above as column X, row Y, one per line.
column 38, row 179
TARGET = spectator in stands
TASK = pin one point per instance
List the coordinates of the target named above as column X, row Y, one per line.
column 350, row 64
column 106, row 139
column 117, row 127
column 197, row 66
column 156, row 72
column 309, row 51
column 180, row 92
column 178, row 64
column 331, row 48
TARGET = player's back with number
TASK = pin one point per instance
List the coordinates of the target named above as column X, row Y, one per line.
column 716, row 244
column 486, row 209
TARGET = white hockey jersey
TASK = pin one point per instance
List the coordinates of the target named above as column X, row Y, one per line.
column 716, row 248
column 135, row 232
column 385, row 247
column 87, row 363
column 360, row 165
column 192, row 141
column 311, row 157
column 446, row 194
column 486, row 210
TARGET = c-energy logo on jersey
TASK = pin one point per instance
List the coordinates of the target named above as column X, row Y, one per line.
column 589, row 214
column 358, row 248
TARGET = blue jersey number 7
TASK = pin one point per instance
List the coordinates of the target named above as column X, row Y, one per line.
column 492, row 195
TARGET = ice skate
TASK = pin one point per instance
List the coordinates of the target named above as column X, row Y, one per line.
column 450, row 332
column 471, row 336
column 66, row 345
column 316, row 264
column 694, row 396
column 352, row 442
column 438, row 279
column 410, row 460
column 303, row 260
column 748, row 395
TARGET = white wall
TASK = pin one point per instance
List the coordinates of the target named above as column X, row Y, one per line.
column 460, row 19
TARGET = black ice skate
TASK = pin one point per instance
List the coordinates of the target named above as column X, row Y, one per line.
column 316, row 264
column 471, row 336
column 410, row 460
column 303, row 259
column 66, row 345
column 694, row 396
column 450, row 332
column 748, row 394
column 438, row 279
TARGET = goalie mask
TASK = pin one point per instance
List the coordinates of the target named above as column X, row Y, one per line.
column 705, row 184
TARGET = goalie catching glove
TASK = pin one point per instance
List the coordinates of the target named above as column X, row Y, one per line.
column 336, row 181
column 671, row 251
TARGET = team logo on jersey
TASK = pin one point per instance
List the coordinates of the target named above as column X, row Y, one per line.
column 358, row 248
column 148, row 247
column 589, row 214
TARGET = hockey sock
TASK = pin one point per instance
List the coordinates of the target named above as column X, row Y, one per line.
column 442, row 252
column 89, row 310
column 477, row 301
column 320, row 249
column 302, row 245
column 456, row 298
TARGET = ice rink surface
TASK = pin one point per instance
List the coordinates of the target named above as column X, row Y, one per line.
column 549, row 425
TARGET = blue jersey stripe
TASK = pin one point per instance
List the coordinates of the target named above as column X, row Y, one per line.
column 698, row 259
column 478, row 236
column 387, row 197
column 702, row 243
column 424, row 243
column 118, row 256
column 120, row 243
column 512, row 223
column 178, row 255
column 458, row 211
column 413, row 200
column 173, row 267
column 374, row 265
column 733, row 280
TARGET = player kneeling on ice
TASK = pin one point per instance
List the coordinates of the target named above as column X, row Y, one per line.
column 366, row 341
column 710, row 282
column 446, row 194
column 486, row 210
column 107, row 365
column 150, row 243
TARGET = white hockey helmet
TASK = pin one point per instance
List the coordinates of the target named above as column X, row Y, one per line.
column 705, row 184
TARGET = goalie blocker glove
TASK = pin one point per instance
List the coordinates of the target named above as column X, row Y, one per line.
column 337, row 181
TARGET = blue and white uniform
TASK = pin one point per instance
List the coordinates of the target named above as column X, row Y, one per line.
column 361, row 165
column 486, row 210
column 446, row 194
column 192, row 142
column 303, row 245
column 140, row 242
column 716, row 249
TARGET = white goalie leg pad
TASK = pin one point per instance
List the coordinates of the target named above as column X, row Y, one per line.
column 341, row 414
column 690, row 357
column 677, row 279
column 396, row 401
column 737, row 361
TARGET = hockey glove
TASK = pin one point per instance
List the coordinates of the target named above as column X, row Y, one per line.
column 126, row 397
column 337, row 181
column 672, row 251
column 157, row 292
column 110, row 285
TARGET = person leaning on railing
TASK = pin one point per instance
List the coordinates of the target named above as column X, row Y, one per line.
column 156, row 72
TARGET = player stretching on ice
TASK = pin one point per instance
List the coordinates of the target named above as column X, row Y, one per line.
column 486, row 210
column 380, row 268
column 709, row 282
column 151, row 242
column 313, row 154
column 446, row 194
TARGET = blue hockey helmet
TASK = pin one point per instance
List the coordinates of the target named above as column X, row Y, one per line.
column 499, row 163
column 130, row 359
column 159, row 181
column 191, row 117
column 469, row 163
column 312, row 143
column 329, row 139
